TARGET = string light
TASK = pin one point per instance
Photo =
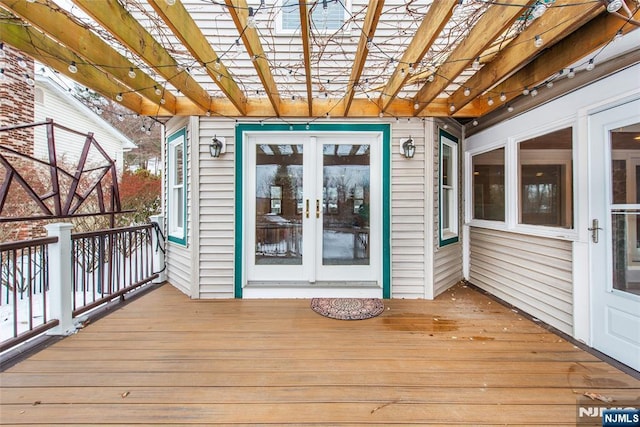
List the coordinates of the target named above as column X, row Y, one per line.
column 171, row 2
column 416, row 106
column 157, row 90
column 121, row 117
column 237, row 46
column 251, row 21
column 217, row 64
column 119, row 97
column 430, row 78
column 590, row 65
column 476, row 64
column 571, row 74
column 412, row 69
column 381, row 114
column 550, row 84
column 525, row 91
column 22, row 62
column 306, row 126
column 503, row 97
column 162, row 101
column 613, row 5
column 475, row 122
column 537, row 42
column 131, row 73
column 325, row 9
column 369, row 43
column 328, row 116
column 72, row 67
column 510, row 109
column 208, row 113
column 2, row 52
column 467, row 91
column 534, row 92
column 490, row 101
column 452, row 108
column 29, row 80
column 1, row 73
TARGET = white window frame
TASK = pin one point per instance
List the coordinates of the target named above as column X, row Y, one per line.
column 177, row 205
column 449, row 234
column 288, row 31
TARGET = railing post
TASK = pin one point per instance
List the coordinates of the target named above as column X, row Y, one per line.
column 60, row 282
column 158, row 248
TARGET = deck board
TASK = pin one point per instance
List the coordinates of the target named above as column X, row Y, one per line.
column 164, row 359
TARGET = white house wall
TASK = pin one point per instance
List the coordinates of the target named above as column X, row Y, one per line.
column 539, row 269
column 447, row 260
column 69, row 145
column 411, row 268
column 179, row 258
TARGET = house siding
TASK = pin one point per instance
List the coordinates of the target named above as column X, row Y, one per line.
column 447, row 259
column 529, row 272
column 217, row 210
column 178, row 257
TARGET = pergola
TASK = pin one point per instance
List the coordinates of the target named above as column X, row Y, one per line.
column 464, row 59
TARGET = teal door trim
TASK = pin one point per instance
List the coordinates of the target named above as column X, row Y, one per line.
column 383, row 129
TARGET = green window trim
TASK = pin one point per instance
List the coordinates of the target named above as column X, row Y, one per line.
column 455, row 215
column 179, row 238
column 384, row 129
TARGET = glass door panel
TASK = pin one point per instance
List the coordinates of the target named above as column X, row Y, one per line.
column 346, row 177
column 278, row 204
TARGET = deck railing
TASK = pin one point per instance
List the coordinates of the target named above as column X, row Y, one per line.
column 24, row 282
column 48, row 283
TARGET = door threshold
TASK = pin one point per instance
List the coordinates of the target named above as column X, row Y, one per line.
column 326, row 289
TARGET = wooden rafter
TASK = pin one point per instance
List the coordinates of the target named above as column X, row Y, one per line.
column 368, row 30
column 59, row 25
column 306, row 51
column 434, row 21
column 46, row 50
column 239, row 11
column 184, row 27
column 495, row 21
column 590, row 37
column 555, row 25
column 115, row 18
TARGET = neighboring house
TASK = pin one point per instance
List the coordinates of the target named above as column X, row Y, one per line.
column 52, row 101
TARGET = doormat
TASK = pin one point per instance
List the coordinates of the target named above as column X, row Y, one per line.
column 348, row 308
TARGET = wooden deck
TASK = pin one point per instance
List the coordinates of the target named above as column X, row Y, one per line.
column 164, row 359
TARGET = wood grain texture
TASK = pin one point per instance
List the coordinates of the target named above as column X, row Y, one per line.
column 163, row 359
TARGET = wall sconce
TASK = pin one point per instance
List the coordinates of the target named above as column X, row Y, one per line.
column 408, row 148
column 218, row 146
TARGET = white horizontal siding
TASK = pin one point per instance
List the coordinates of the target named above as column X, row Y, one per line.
column 407, row 212
column 447, row 260
column 178, row 257
column 532, row 273
column 217, row 211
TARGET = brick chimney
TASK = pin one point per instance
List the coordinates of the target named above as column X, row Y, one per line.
column 17, row 98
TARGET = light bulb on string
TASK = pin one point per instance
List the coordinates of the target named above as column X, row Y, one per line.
column 72, row 67
column 525, row 91
column 534, row 92
column 2, row 52
column 237, row 46
column 170, row 2
column 538, row 10
column 467, row 91
column 251, row 20
column 22, row 63
column 475, row 122
column 162, row 101
column 369, row 43
column 29, row 80
column 490, row 101
column 503, row 97
column 216, row 64
column 1, row 74
column 120, row 117
column 157, row 90
column 131, row 73
column 476, row 64
column 452, row 108
column 510, row 109
column 550, row 84
column 537, row 42
column 571, row 74
column 431, row 78
column 590, row 65
column 416, row 106
column 119, row 97
column 325, row 9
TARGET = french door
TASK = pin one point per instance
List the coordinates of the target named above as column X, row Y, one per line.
column 313, row 211
column 615, row 232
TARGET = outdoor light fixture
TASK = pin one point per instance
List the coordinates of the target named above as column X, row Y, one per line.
column 217, row 146
column 408, row 148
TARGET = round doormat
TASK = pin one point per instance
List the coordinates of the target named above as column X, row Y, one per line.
column 348, row 308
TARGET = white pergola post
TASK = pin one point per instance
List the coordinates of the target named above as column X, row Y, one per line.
column 158, row 254
column 60, row 283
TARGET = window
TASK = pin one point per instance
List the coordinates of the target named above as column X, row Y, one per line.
column 546, row 196
column 448, row 188
column 177, row 197
column 488, row 185
column 331, row 17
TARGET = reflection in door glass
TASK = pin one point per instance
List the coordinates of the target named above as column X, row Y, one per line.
column 625, row 208
column 279, row 204
column 346, row 202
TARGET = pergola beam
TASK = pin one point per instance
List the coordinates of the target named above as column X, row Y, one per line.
column 239, row 11
column 371, row 19
column 44, row 49
column 117, row 20
column 432, row 25
column 183, row 26
column 494, row 22
column 590, row 37
column 555, row 25
column 306, row 51
column 91, row 50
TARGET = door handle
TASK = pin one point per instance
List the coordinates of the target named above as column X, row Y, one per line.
column 594, row 230
column 307, row 211
column 317, row 208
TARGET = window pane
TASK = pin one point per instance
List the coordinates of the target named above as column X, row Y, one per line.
column 488, row 185
column 446, row 205
column 546, row 184
column 331, row 18
column 446, row 164
column 178, row 162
